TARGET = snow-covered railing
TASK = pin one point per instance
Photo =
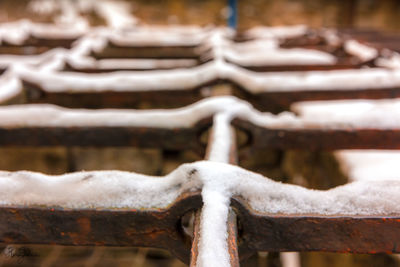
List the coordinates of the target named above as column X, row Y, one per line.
column 233, row 212
column 140, row 210
column 167, row 59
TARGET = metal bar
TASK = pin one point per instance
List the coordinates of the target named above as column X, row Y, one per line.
column 153, row 99
column 113, row 50
column 180, row 138
column 317, row 139
column 233, row 239
column 91, row 227
column 312, row 67
column 343, row 234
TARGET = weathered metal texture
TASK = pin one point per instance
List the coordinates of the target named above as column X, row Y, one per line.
column 196, row 239
column 111, row 99
column 118, row 51
column 374, row 38
column 162, row 227
column 233, row 248
column 159, row 228
column 176, row 139
column 344, row 234
column 339, row 66
column 51, row 42
column 274, row 101
column 320, row 138
column 279, row 101
column 35, row 45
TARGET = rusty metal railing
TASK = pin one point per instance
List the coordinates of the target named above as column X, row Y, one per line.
column 248, row 230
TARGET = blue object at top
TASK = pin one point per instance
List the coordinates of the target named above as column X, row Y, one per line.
column 232, row 18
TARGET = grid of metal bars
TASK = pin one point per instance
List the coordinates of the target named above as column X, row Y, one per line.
column 248, row 230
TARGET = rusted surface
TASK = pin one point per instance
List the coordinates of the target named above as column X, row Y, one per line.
column 344, row 234
column 196, row 239
column 233, row 239
column 35, row 45
column 279, row 101
column 113, row 227
column 248, row 230
column 172, row 98
column 178, row 138
column 117, row 51
column 340, row 66
column 321, row 138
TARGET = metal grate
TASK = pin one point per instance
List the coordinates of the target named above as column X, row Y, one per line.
column 75, row 78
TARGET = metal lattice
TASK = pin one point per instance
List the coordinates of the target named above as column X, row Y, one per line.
column 249, row 231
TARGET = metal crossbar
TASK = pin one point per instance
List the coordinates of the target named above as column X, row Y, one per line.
column 248, row 230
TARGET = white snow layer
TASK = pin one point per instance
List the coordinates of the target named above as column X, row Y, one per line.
column 45, row 70
column 18, row 32
column 46, row 115
column 117, row 14
column 278, row 32
column 362, row 51
column 371, row 114
column 182, row 79
column 218, row 181
column 223, row 109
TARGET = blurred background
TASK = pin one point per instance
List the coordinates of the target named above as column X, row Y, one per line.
column 372, row 14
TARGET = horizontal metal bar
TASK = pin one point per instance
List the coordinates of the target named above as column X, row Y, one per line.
column 279, row 68
column 111, row 99
column 176, row 139
column 157, row 228
column 317, row 139
column 118, row 51
column 278, row 101
column 343, row 234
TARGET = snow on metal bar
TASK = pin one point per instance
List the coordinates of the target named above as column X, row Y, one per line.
column 204, row 44
column 145, row 211
column 52, row 125
column 360, row 115
column 217, row 181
